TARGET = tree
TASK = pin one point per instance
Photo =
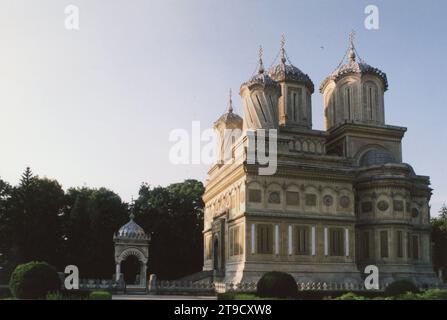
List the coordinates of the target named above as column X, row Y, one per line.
column 34, row 210
column 27, row 179
column 5, row 194
column 5, row 230
column 41, row 222
column 93, row 216
column 174, row 218
column 439, row 239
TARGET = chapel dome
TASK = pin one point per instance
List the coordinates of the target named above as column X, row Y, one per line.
column 131, row 230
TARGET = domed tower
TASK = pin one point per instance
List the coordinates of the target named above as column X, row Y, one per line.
column 260, row 96
column 132, row 241
column 354, row 92
column 295, row 103
column 353, row 97
column 229, row 128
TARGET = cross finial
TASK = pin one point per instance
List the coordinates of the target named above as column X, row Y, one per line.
column 230, row 103
column 261, row 64
column 283, row 50
column 132, row 215
column 351, row 46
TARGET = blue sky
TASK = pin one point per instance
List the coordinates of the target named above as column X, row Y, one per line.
column 95, row 106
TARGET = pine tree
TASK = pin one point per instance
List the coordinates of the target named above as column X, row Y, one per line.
column 27, row 178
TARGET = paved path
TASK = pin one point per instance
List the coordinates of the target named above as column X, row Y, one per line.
column 160, row 297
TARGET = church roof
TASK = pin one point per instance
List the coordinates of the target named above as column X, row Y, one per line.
column 284, row 71
column 352, row 66
column 261, row 77
column 131, row 230
column 288, row 72
column 230, row 116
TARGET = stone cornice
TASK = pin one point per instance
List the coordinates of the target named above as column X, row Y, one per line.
column 299, row 215
column 288, row 131
column 382, row 222
column 408, row 183
column 221, row 182
column 293, row 170
column 366, row 130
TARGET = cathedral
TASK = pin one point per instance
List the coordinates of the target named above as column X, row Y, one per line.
column 340, row 199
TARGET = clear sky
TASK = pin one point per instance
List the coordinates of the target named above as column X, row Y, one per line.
column 95, row 106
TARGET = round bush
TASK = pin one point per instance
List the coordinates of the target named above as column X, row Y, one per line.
column 400, row 287
column 100, row 295
column 277, row 285
column 34, row 280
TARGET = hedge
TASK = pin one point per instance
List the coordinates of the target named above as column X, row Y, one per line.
column 34, row 280
column 277, row 285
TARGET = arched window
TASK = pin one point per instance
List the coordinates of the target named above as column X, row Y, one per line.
column 329, row 111
column 347, row 101
column 296, row 104
column 370, row 101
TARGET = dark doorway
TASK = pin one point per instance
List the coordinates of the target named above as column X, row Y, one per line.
column 131, row 268
column 216, row 255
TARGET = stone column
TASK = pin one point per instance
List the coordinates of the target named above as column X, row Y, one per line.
column 152, row 285
column 118, row 271
column 143, row 275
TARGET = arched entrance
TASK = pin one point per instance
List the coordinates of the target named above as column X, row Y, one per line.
column 131, row 266
column 131, row 270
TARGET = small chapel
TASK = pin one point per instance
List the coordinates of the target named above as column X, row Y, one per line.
column 341, row 198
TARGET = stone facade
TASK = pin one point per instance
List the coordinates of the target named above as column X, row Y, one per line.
column 340, row 199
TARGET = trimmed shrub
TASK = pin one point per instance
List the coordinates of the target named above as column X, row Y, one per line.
column 100, row 295
column 350, row 296
column 400, row 287
column 226, row 296
column 239, row 296
column 69, row 295
column 434, row 294
column 55, row 296
column 277, row 285
column 430, row 294
column 34, row 280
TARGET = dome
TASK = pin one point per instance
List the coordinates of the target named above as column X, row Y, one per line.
column 352, row 66
column 376, row 157
column 355, row 67
column 131, row 230
column 261, row 77
column 288, row 72
column 230, row 119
